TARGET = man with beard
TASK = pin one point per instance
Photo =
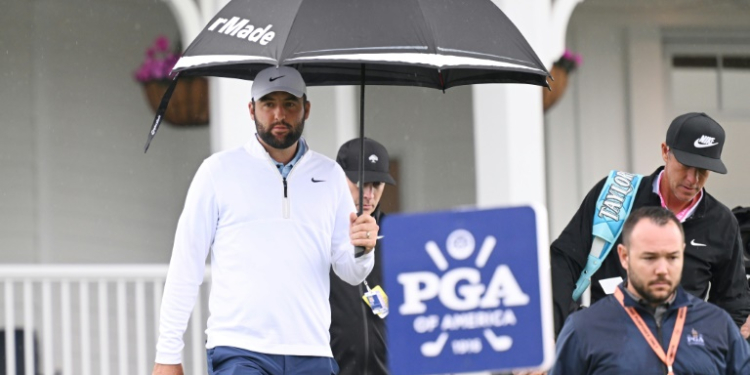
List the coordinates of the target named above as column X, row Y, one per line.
column 276, row 216
column 357, row 334
column 651, row 325
column 713, row 253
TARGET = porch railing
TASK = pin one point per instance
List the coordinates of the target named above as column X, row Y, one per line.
column 89, row 319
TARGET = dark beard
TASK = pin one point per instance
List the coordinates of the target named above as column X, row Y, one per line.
column 291, row 137
column 648, row 296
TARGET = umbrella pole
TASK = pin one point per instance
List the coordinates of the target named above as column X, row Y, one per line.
column 359, row 250
column 361, row 141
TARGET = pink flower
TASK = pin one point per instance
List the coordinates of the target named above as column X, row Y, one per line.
column 574, row 57
column 158, row 63
column 162, row 43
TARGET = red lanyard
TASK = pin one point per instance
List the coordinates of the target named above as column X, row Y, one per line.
column 674, row 342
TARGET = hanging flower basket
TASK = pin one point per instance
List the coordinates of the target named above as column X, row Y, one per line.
column 189, row 103
column 561, row 71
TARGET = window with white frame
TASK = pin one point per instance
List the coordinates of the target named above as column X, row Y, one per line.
column 710, row 78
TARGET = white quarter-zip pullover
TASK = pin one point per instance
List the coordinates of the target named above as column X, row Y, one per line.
column 272, row 241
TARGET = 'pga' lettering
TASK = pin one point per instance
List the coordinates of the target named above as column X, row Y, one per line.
column 470, row 294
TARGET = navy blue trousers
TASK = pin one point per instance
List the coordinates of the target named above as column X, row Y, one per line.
column 227, row 360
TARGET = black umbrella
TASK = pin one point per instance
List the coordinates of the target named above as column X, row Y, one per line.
column 426, row 43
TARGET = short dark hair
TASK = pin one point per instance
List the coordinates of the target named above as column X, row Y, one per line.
column 658, row 215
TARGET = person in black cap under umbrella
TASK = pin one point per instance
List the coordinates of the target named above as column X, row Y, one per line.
column 713, row 252
column 357, row 332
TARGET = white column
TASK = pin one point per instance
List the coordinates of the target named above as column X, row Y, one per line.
column 334, row 118
column 508, row 145
column 648, row 122
column 508, row 125
column 230, row 123
column 347, row 113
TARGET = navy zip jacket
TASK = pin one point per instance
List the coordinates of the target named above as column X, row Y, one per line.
column 604, row 340
column 713, row 253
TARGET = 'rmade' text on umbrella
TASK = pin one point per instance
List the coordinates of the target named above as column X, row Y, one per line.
column 238, row 27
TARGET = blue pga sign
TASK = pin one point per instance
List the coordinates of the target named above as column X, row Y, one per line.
column 468, row 291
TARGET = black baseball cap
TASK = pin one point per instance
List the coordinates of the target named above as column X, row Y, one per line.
column 376, row 161
column 696, row 140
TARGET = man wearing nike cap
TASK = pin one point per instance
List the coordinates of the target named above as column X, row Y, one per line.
column 275, row 216
column 713, row 252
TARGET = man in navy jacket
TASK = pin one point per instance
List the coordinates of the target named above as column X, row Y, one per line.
column 651, row 325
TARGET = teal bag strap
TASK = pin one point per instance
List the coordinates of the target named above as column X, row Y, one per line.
column 612, row 209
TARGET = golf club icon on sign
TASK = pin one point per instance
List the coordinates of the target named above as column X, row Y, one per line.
column 461, row 291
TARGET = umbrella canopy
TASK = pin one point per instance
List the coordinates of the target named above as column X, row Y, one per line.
column 425, row 43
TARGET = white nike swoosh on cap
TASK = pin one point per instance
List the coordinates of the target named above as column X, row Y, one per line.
column 697, row 144
column 692, row 242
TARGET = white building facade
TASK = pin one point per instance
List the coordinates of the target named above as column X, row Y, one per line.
column 77, row 188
